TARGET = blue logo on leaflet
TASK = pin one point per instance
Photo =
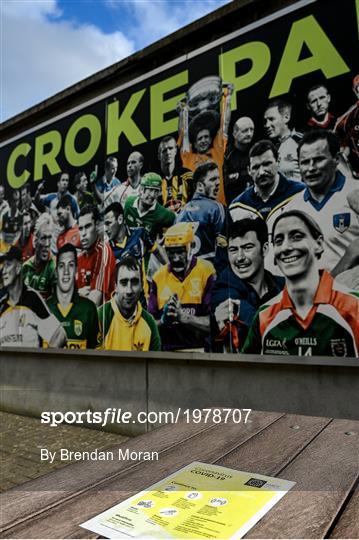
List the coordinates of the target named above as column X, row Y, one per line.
column 341, row 222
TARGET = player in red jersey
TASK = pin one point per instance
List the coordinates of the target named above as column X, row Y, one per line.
column 70, row 233
column 347, row 129
column 96, row 263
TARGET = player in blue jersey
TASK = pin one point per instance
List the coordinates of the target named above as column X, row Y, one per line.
column 50, row 200
column 208, row 215
column 243, row 286
column 137, row 242
column 325, row 197
column 104, row 185
column 271, row 188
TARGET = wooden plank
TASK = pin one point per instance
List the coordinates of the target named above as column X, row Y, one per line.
column 348, row 523
column 50, row 489
column 208, row 446
column 291, row 434
column 324, row 472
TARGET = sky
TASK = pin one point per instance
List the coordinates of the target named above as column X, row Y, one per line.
column 48, row 45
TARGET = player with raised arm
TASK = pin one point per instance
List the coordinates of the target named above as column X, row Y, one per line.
column 205, row 115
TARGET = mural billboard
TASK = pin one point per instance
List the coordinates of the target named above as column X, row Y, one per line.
column 209, row 205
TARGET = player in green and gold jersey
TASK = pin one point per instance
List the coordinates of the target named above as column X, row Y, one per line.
column 77, row 315
column 124, row 324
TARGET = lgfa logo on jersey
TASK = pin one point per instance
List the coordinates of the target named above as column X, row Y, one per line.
column 341, row 222
column 77, row 327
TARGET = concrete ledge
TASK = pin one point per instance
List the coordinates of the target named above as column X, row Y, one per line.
column 32, row 382
column 46, row 380
column 189, row 356
column 317, row 390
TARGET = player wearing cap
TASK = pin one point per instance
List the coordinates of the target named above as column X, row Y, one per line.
column 25, row 320
column 145, row 211
column 77, row 315
column 124, row 324
column 180, row 294
column 314, row 315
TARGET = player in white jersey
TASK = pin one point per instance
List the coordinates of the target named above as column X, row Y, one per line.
column 131, row 186
column 25, row 320
column 325, row 196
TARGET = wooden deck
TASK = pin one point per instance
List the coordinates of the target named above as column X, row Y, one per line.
column 320, row 454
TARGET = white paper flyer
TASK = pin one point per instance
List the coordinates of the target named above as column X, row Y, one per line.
column 198, row 501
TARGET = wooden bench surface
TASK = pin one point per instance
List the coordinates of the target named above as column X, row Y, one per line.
column 320, row 454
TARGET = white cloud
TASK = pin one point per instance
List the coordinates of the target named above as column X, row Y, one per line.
column 42, row 54
column 157, row 18
column 32, row 10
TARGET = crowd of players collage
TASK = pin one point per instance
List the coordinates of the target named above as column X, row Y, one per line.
column 235, row 243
